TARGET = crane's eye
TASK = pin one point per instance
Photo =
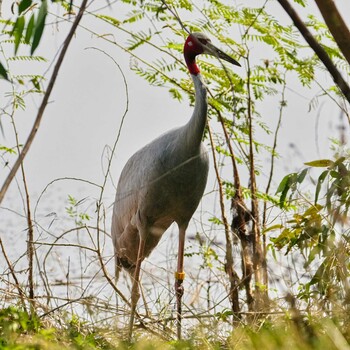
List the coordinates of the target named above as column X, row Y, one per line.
column 203, row 41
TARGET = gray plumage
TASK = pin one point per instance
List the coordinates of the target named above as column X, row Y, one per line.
column 160, row 184
column 163, row 183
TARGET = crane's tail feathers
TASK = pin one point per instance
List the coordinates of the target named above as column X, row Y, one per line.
column 118, row 267
column 126, row 264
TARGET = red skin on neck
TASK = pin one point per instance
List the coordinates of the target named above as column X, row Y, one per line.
column 192, row 48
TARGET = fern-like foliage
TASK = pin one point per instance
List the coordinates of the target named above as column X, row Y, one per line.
column 27, row 58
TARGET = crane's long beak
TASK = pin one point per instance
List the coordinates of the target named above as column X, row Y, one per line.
column 214, row 51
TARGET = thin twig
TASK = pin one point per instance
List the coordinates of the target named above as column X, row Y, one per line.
column 30, row 247
column 44, row 103
column 258, row 258
column 317, row 48
column 99, row 201
column 240, row 225
column 176, row 15
column 274, row 146
column 272, row 166
column 18, row 286
column 232, row 274
column 242, row 313
column 336, row 25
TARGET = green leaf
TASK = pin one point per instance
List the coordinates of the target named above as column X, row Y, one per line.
column 312, row 211
column 335, row 174
column 301, row 175
column 283, row 184
column 7, row 150
column 283, row 239
column 3, row 72
column 39, row 26
column 23, row 5
column 272, row 228
column 320, row 163
column 36, row 83
column 300, row 2
column 110, row 19
column 30, row 28
column 319, row 184
column 176, row 94
column 17, row 31
column 287, row 182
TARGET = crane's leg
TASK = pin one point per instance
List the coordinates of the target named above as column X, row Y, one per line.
column 118, row 267
column 135, row 291
column 179, row 277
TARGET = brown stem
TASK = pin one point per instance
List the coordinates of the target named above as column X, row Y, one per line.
column 272, row 166
column 232, row 274
column 258, row 257
column 30, row 246
column 239, row 222
column 242, row 216
column 318, row 49
column 18, row 286
column 336, row 25
column 44, row 102
column 30, row 240
column 274, row 146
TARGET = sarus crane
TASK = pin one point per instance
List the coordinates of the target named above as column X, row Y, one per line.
column 163, row 183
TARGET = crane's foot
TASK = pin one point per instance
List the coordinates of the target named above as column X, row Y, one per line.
column 135, row 296
column 179, row 291
column 131, row 324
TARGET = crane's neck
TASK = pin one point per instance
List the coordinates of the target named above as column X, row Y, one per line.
column 194, row 129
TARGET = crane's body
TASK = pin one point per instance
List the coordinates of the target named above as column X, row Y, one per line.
column 163, row 183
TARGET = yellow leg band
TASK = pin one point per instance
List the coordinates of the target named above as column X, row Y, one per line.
column 180, row 276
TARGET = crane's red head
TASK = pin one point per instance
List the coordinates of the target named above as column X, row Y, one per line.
column 199, row 43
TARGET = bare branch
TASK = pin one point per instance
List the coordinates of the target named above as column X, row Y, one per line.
column 318, row 49
column 229, row 268
column 21, row 293
column 336, row 25
column 259, row 260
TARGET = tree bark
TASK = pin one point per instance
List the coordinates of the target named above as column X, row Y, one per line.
column 336, row 25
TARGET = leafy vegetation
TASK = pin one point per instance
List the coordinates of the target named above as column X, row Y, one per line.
column 20, row 331
column 297, row 222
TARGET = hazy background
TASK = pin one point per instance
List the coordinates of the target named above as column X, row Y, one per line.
column 85, row 111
